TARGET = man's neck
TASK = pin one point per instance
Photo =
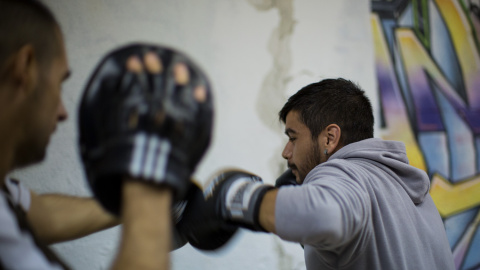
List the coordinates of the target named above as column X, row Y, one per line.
column 6, row 162
column 3, row 176
column 10, row 128
column 8, row 143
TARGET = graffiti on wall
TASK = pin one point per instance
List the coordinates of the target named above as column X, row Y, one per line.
column 427, row 59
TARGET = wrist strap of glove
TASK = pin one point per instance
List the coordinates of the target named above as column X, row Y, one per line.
column 242, row 203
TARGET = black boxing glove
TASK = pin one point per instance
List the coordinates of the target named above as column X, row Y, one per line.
column 178, row 210
column 231, row 200
column 286, row 179
column 149, row 125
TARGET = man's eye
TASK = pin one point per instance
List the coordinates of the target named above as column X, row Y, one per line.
column 291, row 139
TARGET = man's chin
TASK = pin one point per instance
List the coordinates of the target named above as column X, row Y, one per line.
column 40, row 156
column 299, row 180
column 297, row 177
column 35, row 158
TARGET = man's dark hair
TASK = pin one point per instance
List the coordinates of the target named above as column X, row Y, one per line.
column 333, row 101
column 25, row 22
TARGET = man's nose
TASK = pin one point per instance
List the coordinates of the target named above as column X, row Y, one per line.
column 62, row 114
column 287, row 151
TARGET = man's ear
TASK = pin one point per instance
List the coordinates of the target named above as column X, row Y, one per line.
column 24, row 69
column 330, row 138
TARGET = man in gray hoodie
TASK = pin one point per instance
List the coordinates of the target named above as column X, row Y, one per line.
column 358, row 203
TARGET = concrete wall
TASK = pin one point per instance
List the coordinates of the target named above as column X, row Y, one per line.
column 256, row 52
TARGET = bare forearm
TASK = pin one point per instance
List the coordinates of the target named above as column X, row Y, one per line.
column 146, row 233
column 56, row 218
column 267, row 211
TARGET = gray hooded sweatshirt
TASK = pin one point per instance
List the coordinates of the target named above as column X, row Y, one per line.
column 365, row 208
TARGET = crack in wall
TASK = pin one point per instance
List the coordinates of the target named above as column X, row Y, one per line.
column 272, row 94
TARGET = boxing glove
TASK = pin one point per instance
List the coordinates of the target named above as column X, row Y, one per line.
column 286, row 179
column 152, row 126
column 231, row 200
column 178, row 210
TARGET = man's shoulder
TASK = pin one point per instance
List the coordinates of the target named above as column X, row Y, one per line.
column 336, row 169
column 334, row 166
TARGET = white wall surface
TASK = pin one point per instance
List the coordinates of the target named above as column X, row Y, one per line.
column 256, row 53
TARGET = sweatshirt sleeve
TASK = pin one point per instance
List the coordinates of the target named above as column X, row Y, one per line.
column 327, row 211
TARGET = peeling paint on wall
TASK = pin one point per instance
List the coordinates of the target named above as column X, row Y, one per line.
column 271, row 95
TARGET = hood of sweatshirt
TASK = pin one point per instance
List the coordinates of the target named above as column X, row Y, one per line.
column 391, row 154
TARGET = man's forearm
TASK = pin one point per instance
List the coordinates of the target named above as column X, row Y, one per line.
column 56, row 218
column 147, row 227
column 267, row 211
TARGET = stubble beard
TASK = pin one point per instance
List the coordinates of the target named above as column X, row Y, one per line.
column 29, row 154
column 34, row 148
column 312, row 160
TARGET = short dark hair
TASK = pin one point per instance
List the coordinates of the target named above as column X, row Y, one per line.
column 27, row 22
column 333, row 101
